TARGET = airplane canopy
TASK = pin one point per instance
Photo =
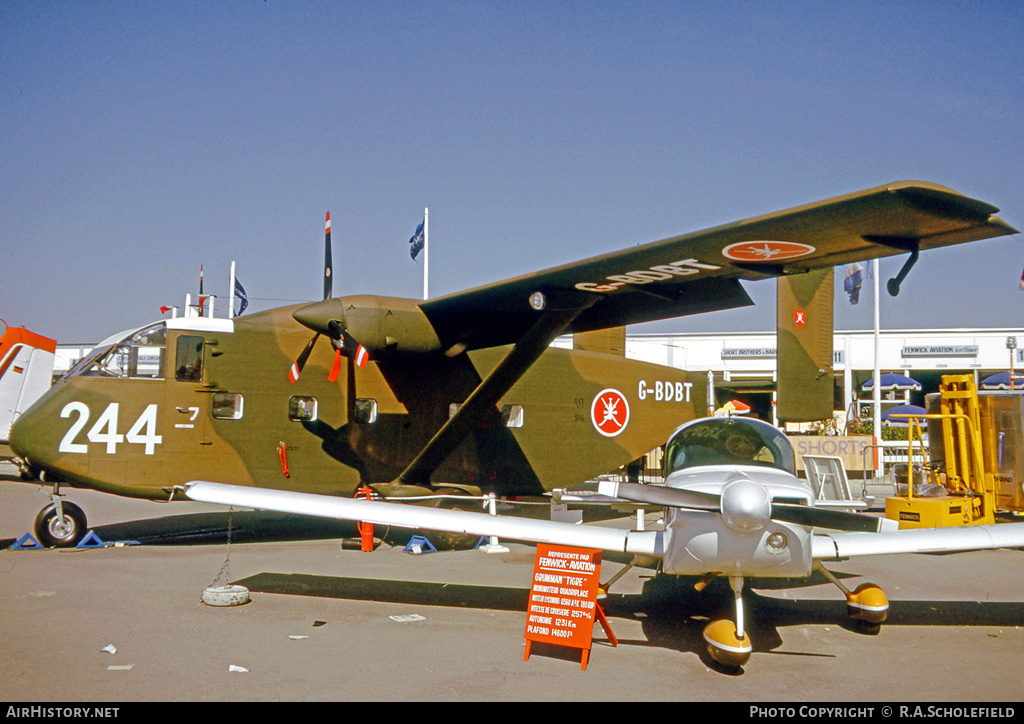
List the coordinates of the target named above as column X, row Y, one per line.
column 728, row 441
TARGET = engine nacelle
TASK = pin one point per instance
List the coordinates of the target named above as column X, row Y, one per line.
column 380, row 324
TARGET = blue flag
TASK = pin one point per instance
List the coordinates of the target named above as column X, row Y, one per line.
column 240, row 293
column 855, row 276
column 416, row 242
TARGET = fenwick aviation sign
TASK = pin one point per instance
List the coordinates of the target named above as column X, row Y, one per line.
column 563, row 598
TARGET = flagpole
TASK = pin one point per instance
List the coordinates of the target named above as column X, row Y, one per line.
column 231, row 297
column 426, row 254
column 876, row 390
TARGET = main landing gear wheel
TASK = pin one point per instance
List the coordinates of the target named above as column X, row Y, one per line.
column 867, row 603
column 53, row 532
column 451, row 541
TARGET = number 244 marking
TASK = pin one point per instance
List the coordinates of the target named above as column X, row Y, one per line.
column 104, row 431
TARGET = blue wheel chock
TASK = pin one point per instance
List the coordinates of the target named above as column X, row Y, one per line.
column 27, row 543
column 91, row 540
column 418, row 541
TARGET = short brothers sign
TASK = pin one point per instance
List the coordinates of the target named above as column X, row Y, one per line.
column 563, row 598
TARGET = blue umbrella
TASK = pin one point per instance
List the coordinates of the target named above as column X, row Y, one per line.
column 1001, row 381
column 902, row 410
column 893, row 381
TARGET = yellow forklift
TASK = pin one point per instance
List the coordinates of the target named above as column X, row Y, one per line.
column 958, row 483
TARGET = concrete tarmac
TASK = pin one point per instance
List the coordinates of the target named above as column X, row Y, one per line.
column 331, row 623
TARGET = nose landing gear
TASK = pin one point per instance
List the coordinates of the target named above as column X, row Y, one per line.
column 728, row 643
column 60, row 525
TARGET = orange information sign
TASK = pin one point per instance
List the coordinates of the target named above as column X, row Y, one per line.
column 563, row 598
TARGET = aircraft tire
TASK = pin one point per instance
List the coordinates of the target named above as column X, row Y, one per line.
column 51, row 534
column 724, row 646
column 453, row 541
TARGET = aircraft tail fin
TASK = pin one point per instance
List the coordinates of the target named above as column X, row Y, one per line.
column 609, row 341
column 26, row 368
column 804, row 340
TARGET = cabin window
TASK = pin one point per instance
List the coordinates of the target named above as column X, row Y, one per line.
column 188, row 361
column 366, row 411
column 228, row 406
column 512, row 415
column 302, row 409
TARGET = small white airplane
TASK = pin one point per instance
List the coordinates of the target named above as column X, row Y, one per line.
column 734, row 507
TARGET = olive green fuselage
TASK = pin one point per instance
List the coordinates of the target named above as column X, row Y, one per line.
column 216, row 404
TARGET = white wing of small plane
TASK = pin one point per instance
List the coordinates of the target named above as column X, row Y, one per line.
column 825, row 545
column 830, row 546
column 414, row 516
column 683, row 547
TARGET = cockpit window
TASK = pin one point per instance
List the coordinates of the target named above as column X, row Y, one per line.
column 141, row 354
column 729, row 441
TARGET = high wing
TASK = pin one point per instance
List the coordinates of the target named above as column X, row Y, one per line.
column 701, row 271
column 825, row 546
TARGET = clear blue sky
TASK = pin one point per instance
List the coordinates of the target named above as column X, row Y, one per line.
column 140, row 140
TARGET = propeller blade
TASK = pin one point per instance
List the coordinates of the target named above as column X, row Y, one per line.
column 362, row 356
column 661, row 495
column 336, row 367
column 831, row 519
column 296, row 369
column 328, row 271
column 298, row 364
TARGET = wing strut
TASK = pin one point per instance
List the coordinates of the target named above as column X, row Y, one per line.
column 904, row 244
column 526, row 351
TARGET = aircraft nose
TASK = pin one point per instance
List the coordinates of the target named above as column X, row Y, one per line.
column 746, row 506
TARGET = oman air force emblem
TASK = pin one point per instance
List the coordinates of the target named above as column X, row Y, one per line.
column 609, row 412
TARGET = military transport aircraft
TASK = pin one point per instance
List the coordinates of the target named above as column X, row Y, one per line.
column 734, row 507
column 462, row 393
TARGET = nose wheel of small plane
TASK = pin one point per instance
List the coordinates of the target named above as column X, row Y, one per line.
column 728, row 643
column 52, row 529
